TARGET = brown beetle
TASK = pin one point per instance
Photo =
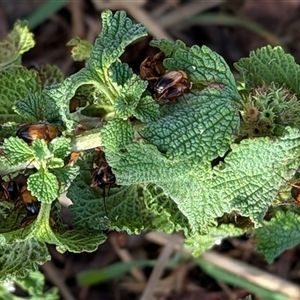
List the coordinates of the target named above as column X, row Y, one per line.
column 152, row 67
column 30, row 202
column 9, row 190
column 31, row 132
column 172, row 85
column 103, row 176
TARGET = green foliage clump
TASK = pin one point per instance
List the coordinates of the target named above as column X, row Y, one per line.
column 198, row 164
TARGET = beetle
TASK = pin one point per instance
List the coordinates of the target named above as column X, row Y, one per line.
column 152, row 67
column 9, row 190
column 30, row 202
column 103, row 176
column 31, row 132
column 172, row 85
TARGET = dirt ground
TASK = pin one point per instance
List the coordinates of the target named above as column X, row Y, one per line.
column 256, row 23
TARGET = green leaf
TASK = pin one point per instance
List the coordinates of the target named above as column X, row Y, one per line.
column 81, row 49
column 6, row 289
column 147, row 110
column 43, row 185
column 78, row 241
column 57, row 98
column 199, row 126
column 251, row 176
column 16, row 85
column 41, row 152
column 31, row 106
column 189, row 185
column 130, row 89
column 199, row 243
column 280, row 233
column 34, row 285
column 269, row 64
column 117, row 208
column 21, row 257
column 116, row 134
column 50, row 74
column 60, row 147
column 164, row 214
column 166, row 46
column 15, row 152
column 118, row 31
column 19, row 41
column 202, row 65
column 65, row 177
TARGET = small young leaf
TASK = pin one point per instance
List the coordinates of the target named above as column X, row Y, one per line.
column 60, row 147
column 19, row 41
column 81, row 49
column 280, row 233
column 65, row 177
column 42, row 153
column 16, row 152
column 130, row 89
column 168, row 47
column 43, row 185
column 267, row 65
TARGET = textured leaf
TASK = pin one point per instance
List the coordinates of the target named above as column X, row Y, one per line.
column 41, row 152
column 199, row 243
column 252, row 176
column 81, row 49
column 202, row 65
column 16, row 84
column 31, row 106
column 130, row 89
column 199, row 126
column 19, row 258
column 191, row 186
column 280, row 233
column 60, row 147
column 65, row 177
column 111, row 139
column 34, row 285
column 43, row 185
column 269, row 64
column 116, row 208
column 50, row 74
column 147, row 110
column 15, row 44
column 118, row 31
column 16, row 152
column 164, row 214
column 166, row 46
column 78, row 241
